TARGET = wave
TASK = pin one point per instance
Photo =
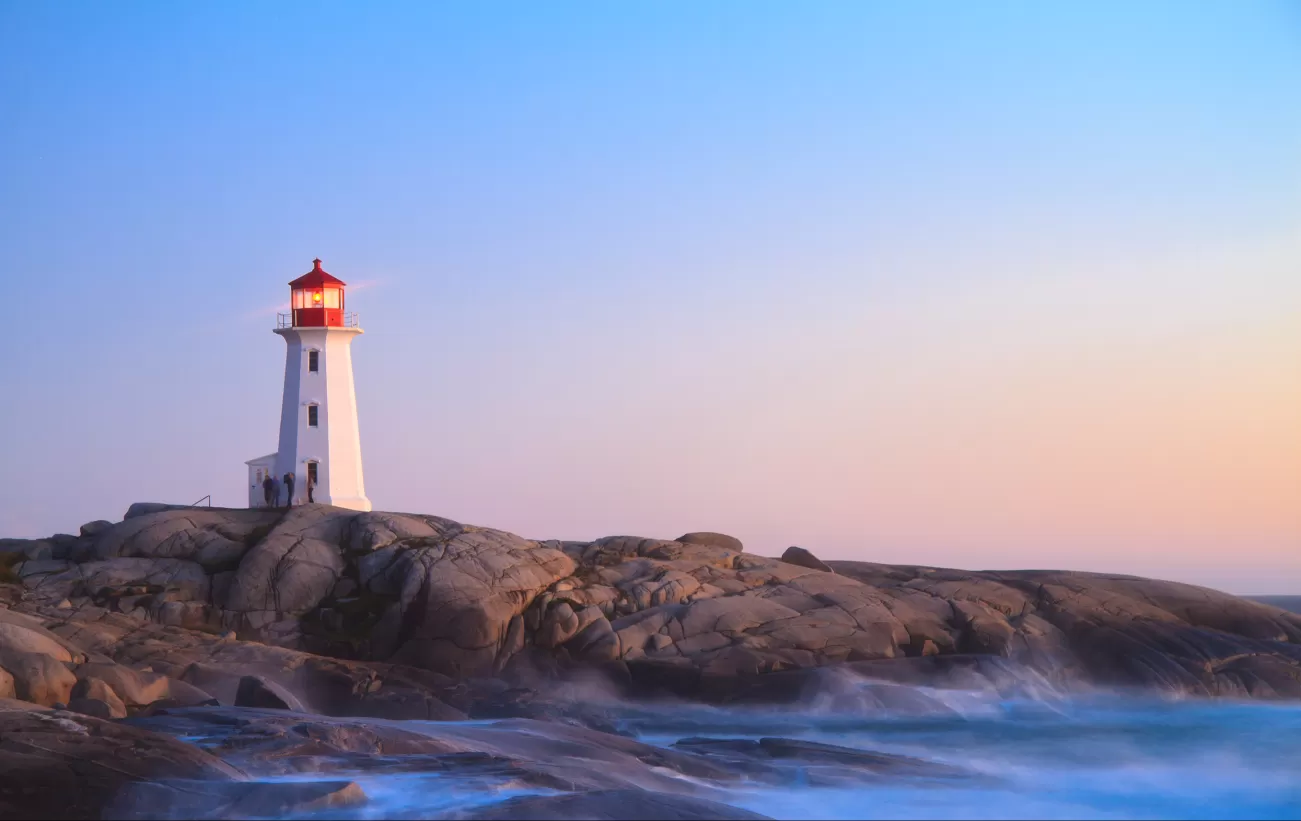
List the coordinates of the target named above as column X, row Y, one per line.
column 1007, row 744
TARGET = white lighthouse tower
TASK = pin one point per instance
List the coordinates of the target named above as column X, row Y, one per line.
column 319, row 437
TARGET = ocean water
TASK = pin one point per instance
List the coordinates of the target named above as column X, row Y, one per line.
column 1101, row 757
column 1094, row 757
column 1032, row 755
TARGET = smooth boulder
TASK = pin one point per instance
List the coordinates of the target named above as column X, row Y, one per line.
column 90, row 688
column 39, row 678
column 255, row 691
column 133, row 687
column 709, row 539
column 800, row 557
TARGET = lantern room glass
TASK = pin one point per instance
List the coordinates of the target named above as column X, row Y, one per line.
column 317, row 298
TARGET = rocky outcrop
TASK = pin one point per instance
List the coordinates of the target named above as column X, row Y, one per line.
column 690, row 614
column 454, row 589
column 1108, row 629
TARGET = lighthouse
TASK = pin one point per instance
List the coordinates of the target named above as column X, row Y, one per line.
column 319, row 437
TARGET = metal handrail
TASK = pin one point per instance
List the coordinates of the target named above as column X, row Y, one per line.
column 286, row 320
column 207, row 498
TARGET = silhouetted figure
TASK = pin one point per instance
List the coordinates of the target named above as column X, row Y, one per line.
column 269, row 489
column 289, row 489
column 311, row 485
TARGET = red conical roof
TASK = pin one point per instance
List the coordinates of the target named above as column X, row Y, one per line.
column 316, row 278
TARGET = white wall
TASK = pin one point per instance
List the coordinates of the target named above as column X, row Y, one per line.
column 335, row 443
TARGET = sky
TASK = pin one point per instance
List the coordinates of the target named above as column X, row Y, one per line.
column 992, row 285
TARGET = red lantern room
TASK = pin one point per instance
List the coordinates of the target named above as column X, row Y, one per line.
column 316, row 298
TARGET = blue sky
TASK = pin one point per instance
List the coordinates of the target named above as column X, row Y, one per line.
column 984, row 285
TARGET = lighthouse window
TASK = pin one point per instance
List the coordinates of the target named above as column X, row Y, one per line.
column 332, row 297
column 313, row 360
column 311, row 415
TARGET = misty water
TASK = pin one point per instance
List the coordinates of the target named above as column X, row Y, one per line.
column 1035, row 754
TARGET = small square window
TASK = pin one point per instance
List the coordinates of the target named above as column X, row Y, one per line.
column 313, row 361
column 311, row 415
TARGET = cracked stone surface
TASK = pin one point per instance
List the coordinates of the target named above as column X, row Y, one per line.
column 425, row 592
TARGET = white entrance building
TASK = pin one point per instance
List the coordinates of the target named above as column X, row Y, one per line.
column 319, row 438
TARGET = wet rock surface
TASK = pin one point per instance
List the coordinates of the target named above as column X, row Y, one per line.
column 178, row 798
column 603, row 805
column 59, row 764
